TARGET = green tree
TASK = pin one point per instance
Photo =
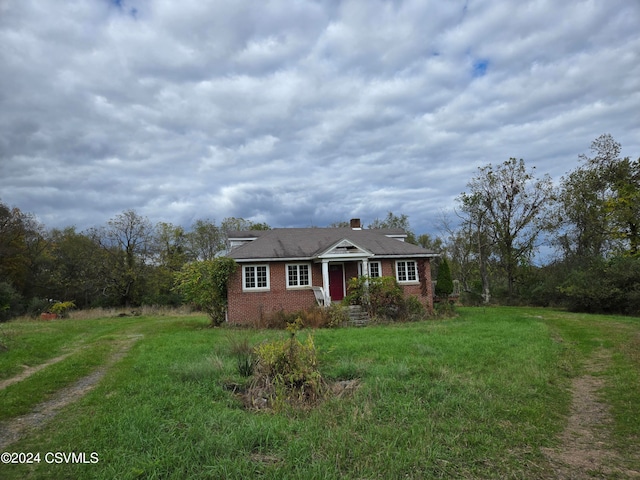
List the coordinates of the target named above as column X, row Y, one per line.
column 234, row 224
column 171, row 252
column 624, row 205
column 170, row 246
column 598, row 215
column 8, row 299
column 204, row 284
column 444, row 284
column 582, row 221
column 604, row 286
column 23, row 249
column 13, row 253
column 396, row 221
column 599, row 204
column 205, row 240
column 75, row 269
column 434, row 244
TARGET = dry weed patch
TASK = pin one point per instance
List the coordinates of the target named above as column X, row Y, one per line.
column 285, row 374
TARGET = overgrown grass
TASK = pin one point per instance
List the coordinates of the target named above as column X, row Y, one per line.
column 620, row 336
column 473, row 397
column 32, row 342
column 20, row 398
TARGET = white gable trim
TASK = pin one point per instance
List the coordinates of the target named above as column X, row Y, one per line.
column 345, row 249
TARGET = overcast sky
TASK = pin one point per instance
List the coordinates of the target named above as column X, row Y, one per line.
column 300, row 113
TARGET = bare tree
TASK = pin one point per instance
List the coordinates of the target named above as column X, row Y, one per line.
column 508, row 204
column 128, row 239
column 471, row 243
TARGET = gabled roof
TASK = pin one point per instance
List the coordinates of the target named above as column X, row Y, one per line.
column 345, row 248
column 311, row 243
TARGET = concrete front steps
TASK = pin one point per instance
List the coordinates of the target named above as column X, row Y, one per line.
column 358, row 317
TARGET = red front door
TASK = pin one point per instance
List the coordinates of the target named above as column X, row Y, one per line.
column 336, row 282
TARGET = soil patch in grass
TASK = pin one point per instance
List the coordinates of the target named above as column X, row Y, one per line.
column 17, row 428
column 584, row 450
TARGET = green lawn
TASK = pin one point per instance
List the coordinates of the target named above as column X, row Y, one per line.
column 477, row 396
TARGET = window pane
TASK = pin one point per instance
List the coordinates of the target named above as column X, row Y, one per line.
column 292, row 275
column 411, row 271
column 374, row 270
column 262, row 277
column 402, row 272
column 249, row 277
column 304, row 274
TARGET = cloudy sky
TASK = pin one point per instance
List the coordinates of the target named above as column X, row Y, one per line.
column 300, row 113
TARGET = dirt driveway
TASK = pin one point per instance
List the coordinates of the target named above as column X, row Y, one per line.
column 17, row 428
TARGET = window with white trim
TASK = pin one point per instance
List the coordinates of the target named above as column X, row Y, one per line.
column 255, row 277
column 374, row 269
column 298, row 275
column 406, row 271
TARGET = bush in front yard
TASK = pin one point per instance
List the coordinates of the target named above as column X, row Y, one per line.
column 286, row 373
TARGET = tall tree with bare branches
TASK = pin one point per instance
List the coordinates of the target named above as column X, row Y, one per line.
column 506, row 204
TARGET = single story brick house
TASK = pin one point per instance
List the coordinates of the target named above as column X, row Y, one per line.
column 292, row 269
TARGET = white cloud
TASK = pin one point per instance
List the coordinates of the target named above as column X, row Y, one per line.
column 300, row 113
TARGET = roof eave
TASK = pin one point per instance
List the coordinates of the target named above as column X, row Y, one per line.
column 408, row 255
column 334, row 258
column 273, row 259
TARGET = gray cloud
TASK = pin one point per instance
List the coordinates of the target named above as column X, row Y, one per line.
column 300, row 113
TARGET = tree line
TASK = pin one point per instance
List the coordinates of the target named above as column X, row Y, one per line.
column 588, row 225
column 126, row 263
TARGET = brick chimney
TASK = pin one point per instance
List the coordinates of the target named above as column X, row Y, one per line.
column 354, row 223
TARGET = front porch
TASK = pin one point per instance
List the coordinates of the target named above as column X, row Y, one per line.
column 341, row 262
column 335, row 276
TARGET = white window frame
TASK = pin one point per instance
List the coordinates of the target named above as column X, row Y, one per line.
column 410, row 270
column 377, row 264
column 256, row 288
column 297, row 270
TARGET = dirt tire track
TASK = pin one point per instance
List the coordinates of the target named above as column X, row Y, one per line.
column 19, row 427
column 28, row 371
column 584, row 451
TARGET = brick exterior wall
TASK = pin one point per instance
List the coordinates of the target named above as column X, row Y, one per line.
column 247, row 308
column 422, row 289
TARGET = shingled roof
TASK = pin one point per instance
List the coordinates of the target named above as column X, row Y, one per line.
column 309, row 243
